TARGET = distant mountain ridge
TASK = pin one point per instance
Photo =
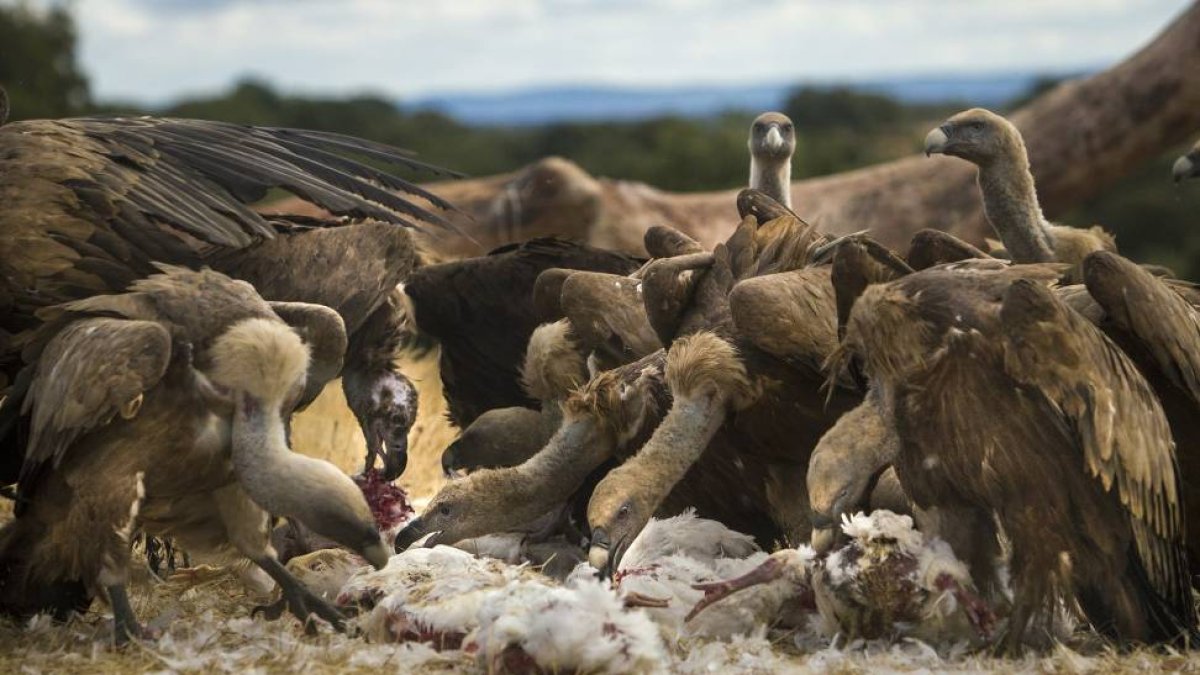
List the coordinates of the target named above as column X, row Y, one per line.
column 541, row 105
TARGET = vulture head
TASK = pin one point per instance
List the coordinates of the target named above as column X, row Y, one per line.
column 847, row 464
column 977, row 135
column 385, row 404
column 261, row 365
column 1187, row 166
column 464, row 509
column 497, row 438
column 772, row 138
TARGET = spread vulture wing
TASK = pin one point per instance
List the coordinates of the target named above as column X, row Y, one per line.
column 88, row 203
column 91, row 371
column 1088, row 384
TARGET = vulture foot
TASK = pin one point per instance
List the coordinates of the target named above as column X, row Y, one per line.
column 297, row 599
column 978, row 611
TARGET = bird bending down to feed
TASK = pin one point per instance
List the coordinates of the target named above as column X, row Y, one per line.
column 163, row 409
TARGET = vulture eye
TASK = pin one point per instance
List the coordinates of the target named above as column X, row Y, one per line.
column 623, row 511
column 758, row 126
column 444, row 510
column 787, row 128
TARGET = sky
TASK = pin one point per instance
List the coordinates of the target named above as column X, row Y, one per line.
column 156, row 50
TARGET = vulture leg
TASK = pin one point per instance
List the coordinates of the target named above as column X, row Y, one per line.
column 302, row 602
column 125, row 623
column 248, row 528
column 666, row 292
column 934, row 247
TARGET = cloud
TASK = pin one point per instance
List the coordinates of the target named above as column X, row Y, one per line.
column 157, row 49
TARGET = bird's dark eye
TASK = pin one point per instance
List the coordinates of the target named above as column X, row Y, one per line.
column 759, row 126
column 623, row 511
column 787, row 127
column 444, row 510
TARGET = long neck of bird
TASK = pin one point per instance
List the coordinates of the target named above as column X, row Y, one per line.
column 677, row 443
column 772, row 176
column 550, row 477
column 261, row 459
column 1011, row 205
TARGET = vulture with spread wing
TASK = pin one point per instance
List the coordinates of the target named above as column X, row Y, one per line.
column 89, row 204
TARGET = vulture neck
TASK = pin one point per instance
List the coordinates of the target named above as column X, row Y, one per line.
column 546, row 480
column 676, row 444
column 1011, row 205
column 262, row 460
column 772, row 176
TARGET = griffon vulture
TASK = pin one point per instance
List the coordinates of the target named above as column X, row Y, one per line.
column 771, row 144
column 163, row 409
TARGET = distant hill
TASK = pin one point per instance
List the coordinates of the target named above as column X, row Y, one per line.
column 600, row 103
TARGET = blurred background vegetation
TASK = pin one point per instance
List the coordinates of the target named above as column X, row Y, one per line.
column 839, row 129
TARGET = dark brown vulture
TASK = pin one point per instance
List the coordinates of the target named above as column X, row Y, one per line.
column 1187, row 166
column 1009, row 199
column 164, row 409
column 1007, row 401
column 89, row 204
column 481, row 312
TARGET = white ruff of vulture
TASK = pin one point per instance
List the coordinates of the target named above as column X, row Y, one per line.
column 89, row 204
column 1006, row 400
column 887, row 581
column 1188, row 165
column 771, row 144
column 1009, row 197
column 512, row 618
column 163, row 410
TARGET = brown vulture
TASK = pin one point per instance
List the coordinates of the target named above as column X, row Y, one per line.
column 89, row 204
column 481, row 312
column 1010, row 201
column 164, row 409
column 1007, row 401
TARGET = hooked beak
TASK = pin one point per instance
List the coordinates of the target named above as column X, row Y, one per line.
column 937, row 140
column 395, row 460
column 602, row 555
column 413, row 533
column 774, row 139
column 1187, row 166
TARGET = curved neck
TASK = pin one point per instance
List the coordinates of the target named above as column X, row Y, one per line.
column 260, row 454
column 774, row 177
column 1011, row 206
column 676, row 444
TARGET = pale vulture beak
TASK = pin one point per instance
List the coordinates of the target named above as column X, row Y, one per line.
column 936, row 141
column 774, row 139
column 1184, row 167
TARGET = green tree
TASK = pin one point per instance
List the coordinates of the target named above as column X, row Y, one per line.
column 38, row 63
